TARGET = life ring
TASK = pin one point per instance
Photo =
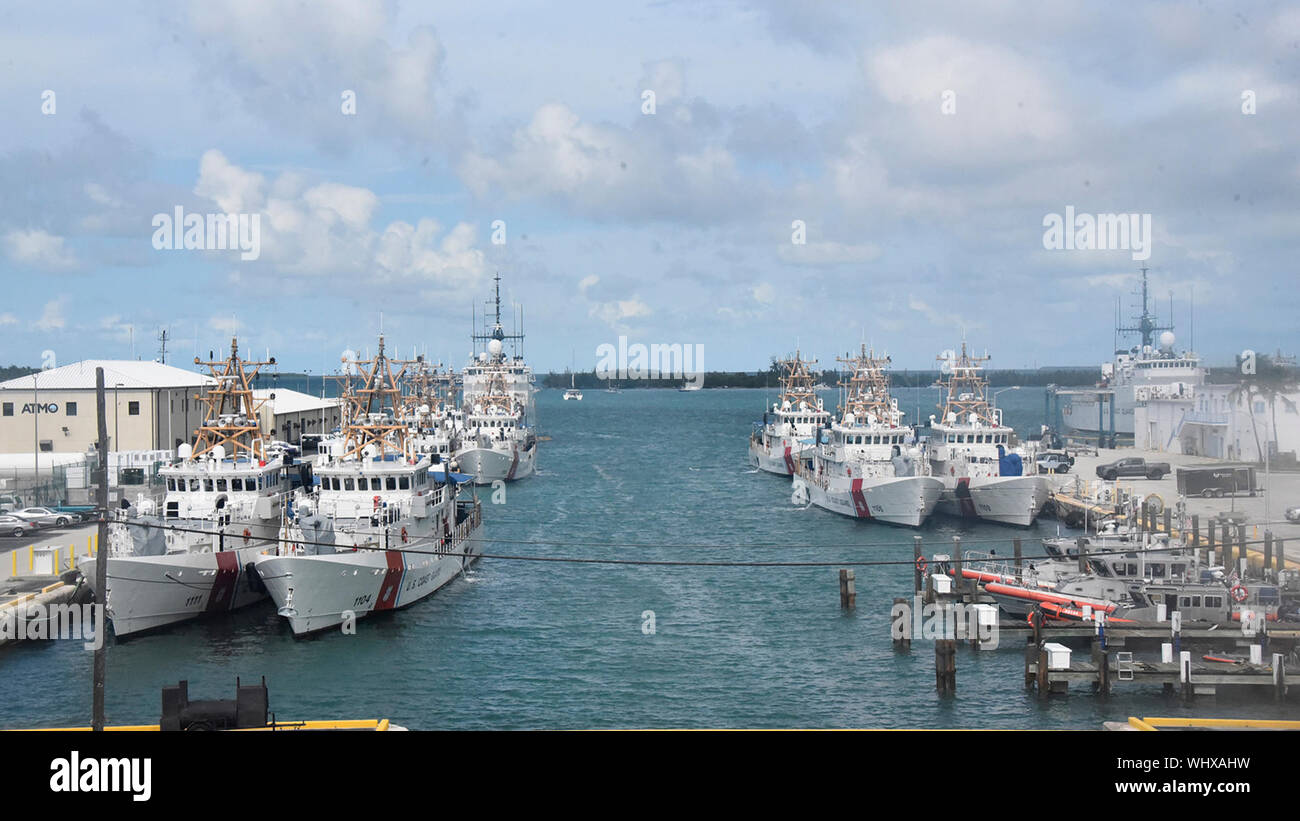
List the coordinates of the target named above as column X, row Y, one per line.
column 1239, row 593
column 248, row 535
column 921, row 565
column 405, row 538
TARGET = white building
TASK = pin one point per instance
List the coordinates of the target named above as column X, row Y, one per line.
column 150, row 406
column 287, row 414
column 1211, row 422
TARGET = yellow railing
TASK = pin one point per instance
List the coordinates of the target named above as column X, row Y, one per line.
column 1153, row 724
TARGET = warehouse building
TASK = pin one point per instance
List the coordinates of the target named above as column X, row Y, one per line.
column 286, row 415
column 150, row 406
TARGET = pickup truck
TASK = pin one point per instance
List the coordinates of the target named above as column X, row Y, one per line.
column 1133, row 466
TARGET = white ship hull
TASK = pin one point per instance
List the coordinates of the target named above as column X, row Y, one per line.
column 148, row 592
column 906, row 501
column 487, row 465
column 782, row 458
column 1082, row 413
column 317, row 592
column 1013, row 500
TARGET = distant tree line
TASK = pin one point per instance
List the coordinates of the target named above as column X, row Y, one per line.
column 588, row 380
column 15, row 371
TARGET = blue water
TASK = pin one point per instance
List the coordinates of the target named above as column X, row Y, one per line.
column 645, row 474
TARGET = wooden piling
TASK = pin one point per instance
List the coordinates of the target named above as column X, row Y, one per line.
column 959, row 579
column 848, row 590
column 1241, row 548
column 1015, row 547
column 904, row 642
column 1042, row 679
column 945, row 666
column 916, row 564
column 1279, row 677
column 1080, row 546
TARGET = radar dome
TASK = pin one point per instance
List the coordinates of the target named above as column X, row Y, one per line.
column 185, row 450
column 494, row 347
column 1167, row 341
column 219, row 453
column 482, row 357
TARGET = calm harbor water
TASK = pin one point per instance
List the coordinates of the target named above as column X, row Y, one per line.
column 642, row 474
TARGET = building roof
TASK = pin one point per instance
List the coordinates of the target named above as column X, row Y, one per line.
column 127, row 373
column 283, row 400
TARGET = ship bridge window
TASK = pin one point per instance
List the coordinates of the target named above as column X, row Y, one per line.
column 207, row 485
column 221, row 486
column 194, row 485
column 404, row 482
column 1178, row 570
column 349, row 484
column 1213, row 601
column 391, row 484
column 1158, row 571
column 237, row 484
column 171, row 484
column 1189, row 601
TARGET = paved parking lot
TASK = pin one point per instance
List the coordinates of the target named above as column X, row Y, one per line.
column 1282, row 490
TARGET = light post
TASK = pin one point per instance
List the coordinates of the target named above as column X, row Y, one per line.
column 1004, row 390
column 117, row 461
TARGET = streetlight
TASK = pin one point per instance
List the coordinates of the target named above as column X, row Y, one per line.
column 117, row 461
column 1004, row 390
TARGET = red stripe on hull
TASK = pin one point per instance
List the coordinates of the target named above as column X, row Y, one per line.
column 222, row 595
column 859, row 501
column 789, row 463
column 392, row 581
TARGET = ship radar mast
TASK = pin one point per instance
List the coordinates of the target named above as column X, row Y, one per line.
column 232, row 420
column 1147, row 325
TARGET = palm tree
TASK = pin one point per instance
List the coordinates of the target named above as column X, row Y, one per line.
column 1271, row 381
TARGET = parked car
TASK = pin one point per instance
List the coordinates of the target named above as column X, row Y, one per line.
column 1293, row 514
column 13, row 526
column 1055, row 461
column 1133, row 466
column 43, row 517
column 282, row 448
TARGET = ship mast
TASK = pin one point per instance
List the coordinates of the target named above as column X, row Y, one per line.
column 796, row 383
column 1146, row 322
column 967, row 390
column 867, row 389
column 497, row 331
column 374, row 409
column 231, row 421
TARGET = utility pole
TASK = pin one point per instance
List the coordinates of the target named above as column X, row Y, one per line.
column 101, row 556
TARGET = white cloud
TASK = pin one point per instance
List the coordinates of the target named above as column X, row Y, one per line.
column 39, row 249
column 614, row 313
column 8, row 319
column 327, row 229
column 764, row 292
column 827, row 253
column 52, row 318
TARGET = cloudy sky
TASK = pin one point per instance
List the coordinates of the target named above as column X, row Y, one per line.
column 915, row 148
